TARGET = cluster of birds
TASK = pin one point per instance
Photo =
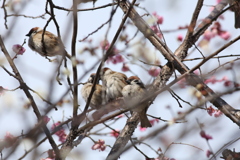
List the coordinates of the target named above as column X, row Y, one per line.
column 114, row 85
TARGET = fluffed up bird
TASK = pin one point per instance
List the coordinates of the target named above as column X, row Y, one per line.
column 133, row 93
column 53, row 45
column 113, row 83
column 96, row 100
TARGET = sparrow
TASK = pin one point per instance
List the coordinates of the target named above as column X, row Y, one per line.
column 113, row 83
column 133, row 93
column 96, row 100
column 236, row 10
column 53, row 45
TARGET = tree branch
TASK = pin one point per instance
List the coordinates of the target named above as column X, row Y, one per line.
column 24, row 87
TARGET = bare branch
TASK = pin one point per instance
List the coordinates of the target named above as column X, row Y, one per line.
column 29, row 96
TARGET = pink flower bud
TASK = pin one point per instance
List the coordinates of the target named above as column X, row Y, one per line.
column 95, row 146
column 18, row 49
column 104, row 44
column 208, row 153
column 99, row 145
column 204, row 135
column 225, row 35
column 210, row 110
column 155, row 29
column 119, row 58
column 159, row 19
column 154, row 71
column 125, row 67
column 227, row 83
column 154, row 13
column 45, row 119
column 60, row 133
column 218, row 113
column 115, row 133
column 180, row 38
column 142, row 129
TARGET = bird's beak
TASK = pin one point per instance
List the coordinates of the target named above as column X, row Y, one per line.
column 28, row 35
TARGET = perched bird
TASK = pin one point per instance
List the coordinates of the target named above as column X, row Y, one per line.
column 96, row 100
column 133, row 93
column 53, row 45
column 236, row 10
column 113, row 83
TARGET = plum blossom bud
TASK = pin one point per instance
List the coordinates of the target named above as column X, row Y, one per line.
column 154, row 13
column 209, row 153
column 218, row 113
column 206, row 136
column 18, row 49
column 100, row 144
column 104, row 44
column 208, row 35
column 154, row 71
column 210, row 110
column 159, row 18
column 45, row 119
column 155, row 29
column 60, row 133
column 227, row 83
column 125, row 67
column 115, row 133
column 119, row 58
column 142, row 129
column 180, row 38
column 115, row 59
column 225, row 35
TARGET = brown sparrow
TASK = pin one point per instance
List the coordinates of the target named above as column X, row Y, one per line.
column 53, row 45
column 133, row 93
column 236, row 10
column 113, row 83
column 96, row 100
